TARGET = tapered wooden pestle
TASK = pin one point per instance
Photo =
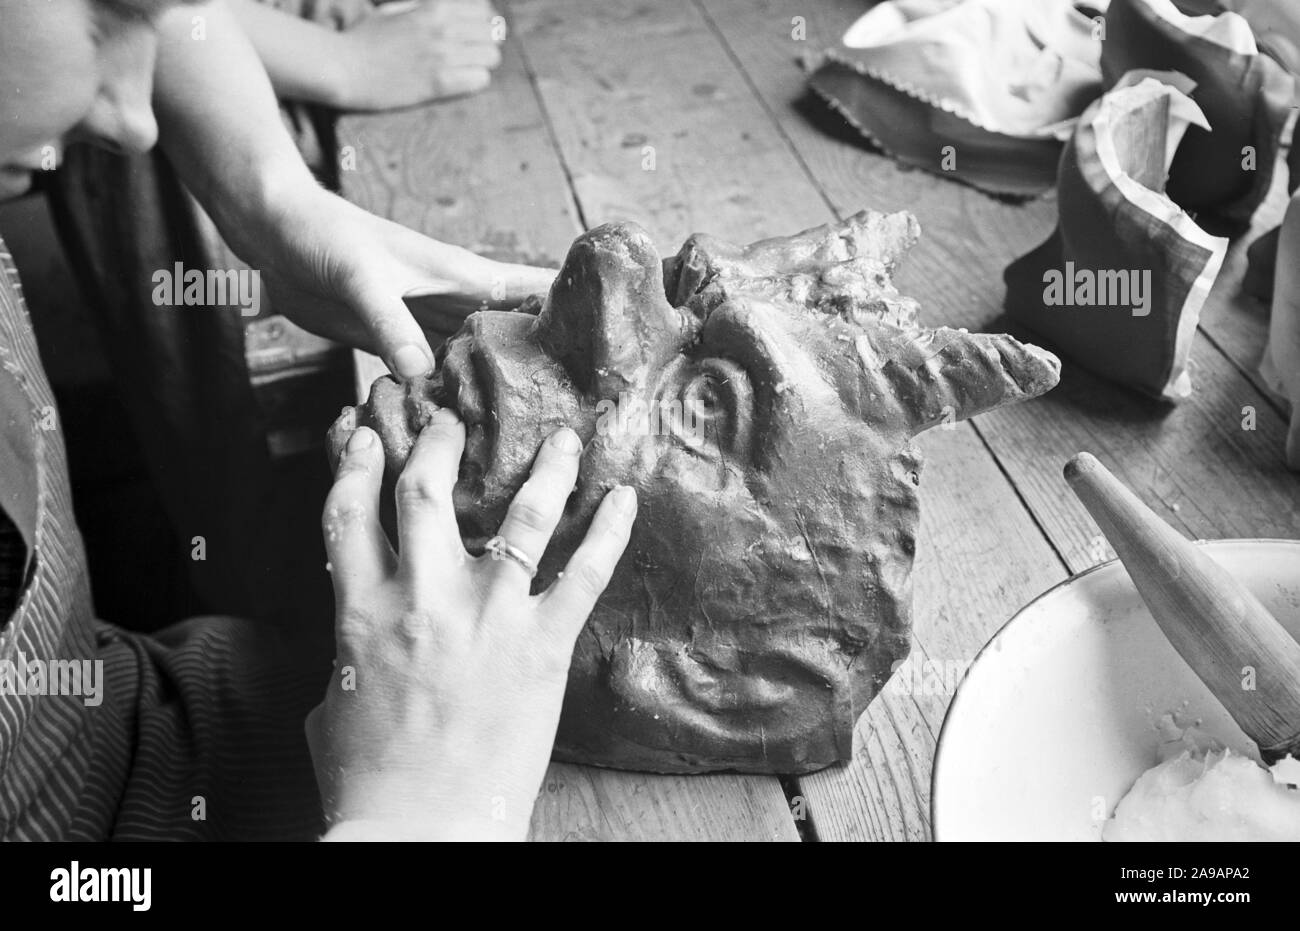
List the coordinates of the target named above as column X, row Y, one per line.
column 1249, row 661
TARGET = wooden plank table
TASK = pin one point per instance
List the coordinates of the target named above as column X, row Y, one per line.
column 688, row 115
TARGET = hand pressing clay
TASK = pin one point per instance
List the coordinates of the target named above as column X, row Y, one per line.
column 765, row 595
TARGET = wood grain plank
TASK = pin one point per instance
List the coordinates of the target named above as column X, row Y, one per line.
column 714, row 150
column 979, row 558
column 967, row 237
column 981, row 555
column 583, row 803
column 482, row 172
column 1194, row 463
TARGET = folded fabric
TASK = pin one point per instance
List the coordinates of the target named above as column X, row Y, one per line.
column 1277, row 32
column 1280, row 367
column 1261, row 256
column 1276, row 24
column 1222, row 175
column 1119, row 286
column 983, row 91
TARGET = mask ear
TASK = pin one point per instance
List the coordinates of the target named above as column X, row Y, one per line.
column 917, row 379
column 839, row 268
column 607, row 319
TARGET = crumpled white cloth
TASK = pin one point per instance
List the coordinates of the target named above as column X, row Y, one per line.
column 1276, row 24
column 1001, row 82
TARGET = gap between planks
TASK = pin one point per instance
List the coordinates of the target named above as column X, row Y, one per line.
column 1049, row 564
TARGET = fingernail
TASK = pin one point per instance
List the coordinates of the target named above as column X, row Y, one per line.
column 411, row 362
column 625, row 500
column 444, row 415
column 360, row 439
column 566, row 441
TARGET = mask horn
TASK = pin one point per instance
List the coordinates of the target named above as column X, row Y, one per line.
column 942, row 376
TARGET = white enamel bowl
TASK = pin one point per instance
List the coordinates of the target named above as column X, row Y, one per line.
column 1054, row 721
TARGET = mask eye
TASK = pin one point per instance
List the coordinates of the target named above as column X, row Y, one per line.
column 717, row 405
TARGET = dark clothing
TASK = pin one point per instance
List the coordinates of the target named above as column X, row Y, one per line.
column 196, row 733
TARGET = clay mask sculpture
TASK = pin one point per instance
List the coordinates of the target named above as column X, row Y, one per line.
column 765, row 596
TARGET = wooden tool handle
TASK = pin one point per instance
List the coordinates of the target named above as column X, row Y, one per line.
column 1248, row 660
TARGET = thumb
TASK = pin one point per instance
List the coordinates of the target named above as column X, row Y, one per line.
column 401, row 6
column 396, row 336
column 512, row 283
column 453, row 82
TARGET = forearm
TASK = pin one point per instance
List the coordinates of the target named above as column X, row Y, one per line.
column 305, row 60
column 332, row 267
column 220, row 123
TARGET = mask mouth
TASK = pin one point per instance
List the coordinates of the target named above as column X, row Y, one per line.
column 510, row 397
column 457, row 386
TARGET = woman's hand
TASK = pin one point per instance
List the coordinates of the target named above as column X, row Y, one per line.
column 446, row 695
column 406, row 54
column 330, row 266
column 341, row 272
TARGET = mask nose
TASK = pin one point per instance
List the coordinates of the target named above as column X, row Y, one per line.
column 607, row 319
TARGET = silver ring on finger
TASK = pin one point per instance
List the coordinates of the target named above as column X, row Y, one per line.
column 501, row 549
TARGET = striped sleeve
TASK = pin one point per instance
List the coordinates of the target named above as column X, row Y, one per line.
column 195, row 733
